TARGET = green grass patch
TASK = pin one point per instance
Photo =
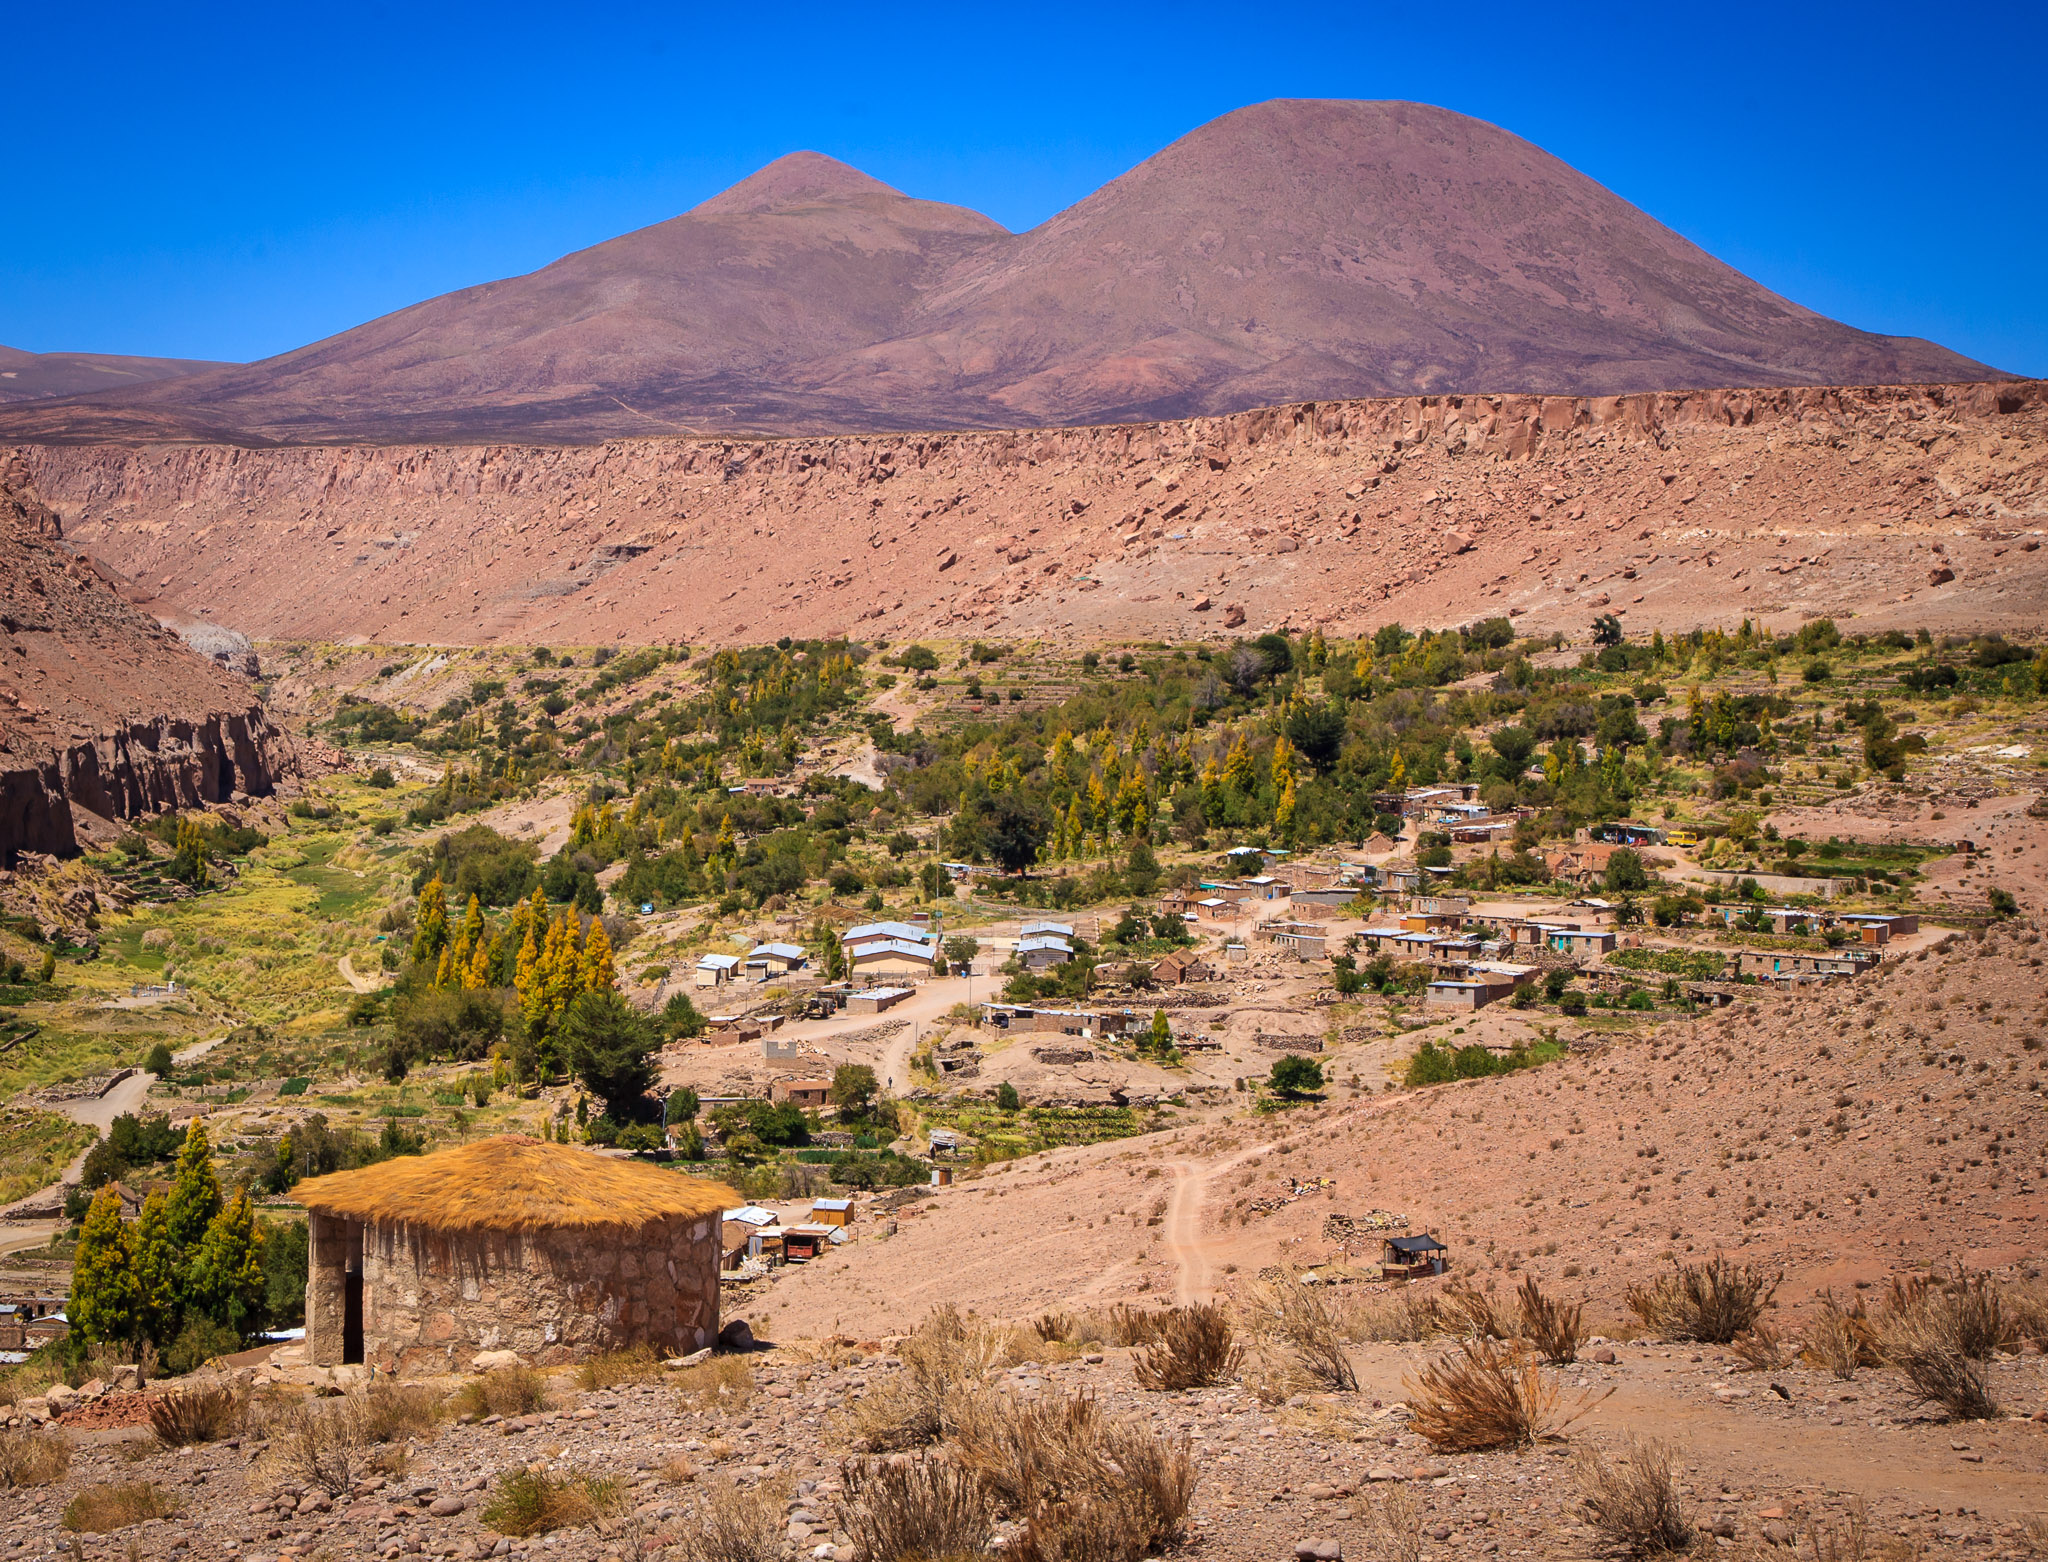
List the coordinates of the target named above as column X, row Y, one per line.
column 294, row 1087
column 35, row 1147
column 1698, row 965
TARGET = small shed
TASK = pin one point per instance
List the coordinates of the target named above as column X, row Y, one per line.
column 832, row 1212
column 1412, row 1256
column 508, row 1243
column 801, row 1092
column 802, row 1243
column 715, row 970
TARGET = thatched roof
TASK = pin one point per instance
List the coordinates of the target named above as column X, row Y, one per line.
column 513, row 1183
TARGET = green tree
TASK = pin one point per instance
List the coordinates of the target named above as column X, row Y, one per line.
column 1141, row 867
column 960, row 949
column 225, row 1280
column 157, row 1060
column 1162, row 1033
column 1015, row 829
column 49, row 966
column 195, row 1191
column 606, row 1042
column 102, row 1305
column 679, row 1018
column 854, row 1088
column 1625, row 871
column 159, row 1270
column 1295, row 1075
column 1007, row 1099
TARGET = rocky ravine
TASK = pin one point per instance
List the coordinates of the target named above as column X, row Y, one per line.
column 101, row 708
column 1903, row 505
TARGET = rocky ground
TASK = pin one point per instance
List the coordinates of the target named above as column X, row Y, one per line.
column 1764, row 1460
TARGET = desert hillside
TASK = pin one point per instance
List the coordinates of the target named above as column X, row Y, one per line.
column 1902, row 505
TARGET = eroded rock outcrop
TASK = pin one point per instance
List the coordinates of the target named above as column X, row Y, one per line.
column 102, row 709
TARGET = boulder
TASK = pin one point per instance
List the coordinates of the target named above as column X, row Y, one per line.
column 494, row 1360
column 737, row 1335
column 1319, row 1550
column 1940, row 577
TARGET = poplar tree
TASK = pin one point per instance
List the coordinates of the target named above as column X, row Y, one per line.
column 103, row 1297
column 226, row 1277
column 158, row 1268
column 195, row 1191
column 430, row 922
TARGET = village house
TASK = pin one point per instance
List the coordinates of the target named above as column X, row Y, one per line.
column 808, row 1093
column 1181, row 965
column 1476, row 983
column 508, row 1243
column 876, row 1000
column 1834, row 965
column 1582, row 862
column 1042, row 952
column 716, row 970
column 1303, row 940
column 1063, row 930
column 893, row 958
column 777, row 958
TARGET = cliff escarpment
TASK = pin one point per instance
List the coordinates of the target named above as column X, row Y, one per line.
column 103, row 710
column 1909, row 504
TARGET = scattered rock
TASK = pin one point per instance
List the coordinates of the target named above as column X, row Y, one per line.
column 1318, row 1551
column 737, row 1335
column 494, row 1360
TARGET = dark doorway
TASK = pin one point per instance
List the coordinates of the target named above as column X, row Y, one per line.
column 352, row 1302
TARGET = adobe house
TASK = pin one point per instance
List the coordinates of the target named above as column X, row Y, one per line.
column 553, row 1252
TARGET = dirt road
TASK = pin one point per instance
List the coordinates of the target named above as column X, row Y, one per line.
column 361, row 984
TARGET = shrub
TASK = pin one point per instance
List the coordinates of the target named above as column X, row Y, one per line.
column 722, row 1383
column 920, row 1508
column 1551, row 1327
column 1632, row 1500
column 1123, row 1324
column 732, row 1524
column 1087, row 1485
column 504, row 1391
column 1399, row 1319
column 393, row 1412
column 197, row 1415
column 610, row 1368
column 1397, row 1523
column 1309, row 1328
column 322, row 1442
column 1837, row 1338
column 1760, row 1350
column 1711, row 1302
column 943, row 1356
column 1052, row 1327
column 535, row 1501
column 200, row 1341
column 1462, row 1310
column 1936, row 1371
column 1195, row 1349
column 1486, row 1395
column 33, row 1458
column 1967, row 1313
column 97, row 1510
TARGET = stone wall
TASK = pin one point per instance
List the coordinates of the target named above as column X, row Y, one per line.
column 432, row 1300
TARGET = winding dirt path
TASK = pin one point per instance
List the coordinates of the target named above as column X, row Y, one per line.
column 361, row 984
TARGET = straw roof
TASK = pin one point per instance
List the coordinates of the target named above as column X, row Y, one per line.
column 513, row 1183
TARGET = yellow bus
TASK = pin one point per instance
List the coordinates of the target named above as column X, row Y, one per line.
column 1682, row 838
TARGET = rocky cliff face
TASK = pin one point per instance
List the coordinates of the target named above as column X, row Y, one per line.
column 103, row 711
column 1671, row 510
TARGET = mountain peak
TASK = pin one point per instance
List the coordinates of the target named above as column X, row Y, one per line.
column 797, row 179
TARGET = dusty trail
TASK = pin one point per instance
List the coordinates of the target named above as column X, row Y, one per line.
column 361, row 984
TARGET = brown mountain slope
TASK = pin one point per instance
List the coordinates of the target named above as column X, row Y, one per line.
column 1905, row 506
column 1292, row 249
column 1835, row 1138
column 101, row 708
column 26, row 376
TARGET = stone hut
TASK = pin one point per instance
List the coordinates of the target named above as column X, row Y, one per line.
column 552, row 1252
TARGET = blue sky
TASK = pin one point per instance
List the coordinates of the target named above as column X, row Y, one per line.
column 232, row 181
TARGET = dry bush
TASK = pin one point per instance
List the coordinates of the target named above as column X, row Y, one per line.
column 1123, row 1324
column 608, row 1369
column 1711, row 1302
column 1301, row 1320
column 2029, row 1308
column 1463, row 1310
column 2034, row 1534
column 533, row 1501
column 944, row 1356
column 1054, row 1326
column 833, row 1352
column 1760, row 1349
column 98, row 1510
column 1397, row 1523
column 393, row 1412
column 321, row 1442
column 1195, row 1349
column 721, row 1383
column 733, row 1524
column 1086, row 1485
column 1021, row 1344
column 1852, row 1541
column 33, row 1458
column 920, row 1508
column 198, row 1415
column 1967, row 1312
column 1553, row 1328
column 504, row 1391
column 1487, row 1395
column 1404, row 1318
column 1838, row 1338
column 1632, row 1500
column 1935, row 1369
